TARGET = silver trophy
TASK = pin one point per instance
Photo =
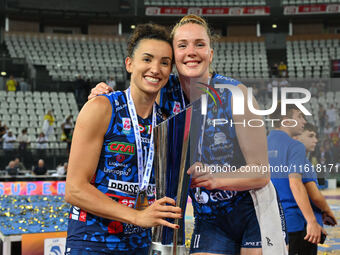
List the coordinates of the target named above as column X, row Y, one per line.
column 171, row 163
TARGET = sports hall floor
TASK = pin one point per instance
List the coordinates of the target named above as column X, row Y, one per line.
column 332, row 244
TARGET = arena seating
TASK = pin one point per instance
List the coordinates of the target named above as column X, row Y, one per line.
column 67, row 56
column 200, row 3
column 97, row 58
column 19, row 110
column 303, row 2
column 310, row 56
column 241, row 57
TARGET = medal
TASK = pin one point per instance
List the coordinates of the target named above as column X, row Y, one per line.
column 141, row 201
column 144, row 170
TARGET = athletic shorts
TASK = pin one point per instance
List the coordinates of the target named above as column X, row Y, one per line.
column 140, row 251
column 226, row 234
column 298, row 245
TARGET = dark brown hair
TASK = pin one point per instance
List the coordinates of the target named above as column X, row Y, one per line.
column 147, row 31
column 277, row 113
column 310, row 127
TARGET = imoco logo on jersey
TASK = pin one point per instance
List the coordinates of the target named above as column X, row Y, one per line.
column 123, row 148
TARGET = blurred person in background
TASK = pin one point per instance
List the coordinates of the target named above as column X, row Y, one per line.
column 11, row 84
column 282, row 69
column 19, row 164
column 48, row 124
column 62, row 169
column 40, row 168
column 67, row 131
column 67, row 127
column 23, row 140
column 332, row 115
column 42, row 141
column 274, row 71
column 322, row 118
column 334, row 137
column 325, row 156
column 283, row 82
column 12, row 169
column 327, row 129
column 269, row 89
column 9, row 141
column 3, row 129
column 23, row 85
column 329, row 148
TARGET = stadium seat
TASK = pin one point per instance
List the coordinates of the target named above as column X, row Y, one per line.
column 241, row 59
column 27, row 112
column 65, row 58
column 311, row 58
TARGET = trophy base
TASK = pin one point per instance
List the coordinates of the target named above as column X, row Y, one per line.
column 160, row 249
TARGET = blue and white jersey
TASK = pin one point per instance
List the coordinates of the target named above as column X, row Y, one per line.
column 220, row 144
column 117, row 177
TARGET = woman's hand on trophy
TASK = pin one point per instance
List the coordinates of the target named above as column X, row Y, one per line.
column 203, row 176
column 99, row 89
column 156, row 213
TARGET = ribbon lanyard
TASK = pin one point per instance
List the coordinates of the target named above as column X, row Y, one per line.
column 143, row 173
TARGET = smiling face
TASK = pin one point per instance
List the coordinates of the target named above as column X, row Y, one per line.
column 193, row 54
column 150, row 65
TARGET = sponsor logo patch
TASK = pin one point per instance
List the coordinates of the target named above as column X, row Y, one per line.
column 122, row 148
column 78, row 214
column 177, row 107
column 130, row 187
column 126, row 125
column 120, row 158
column 147, row 129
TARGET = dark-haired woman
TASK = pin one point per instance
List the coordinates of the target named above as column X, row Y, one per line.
column 110, row 180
